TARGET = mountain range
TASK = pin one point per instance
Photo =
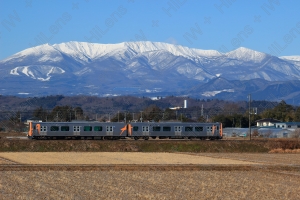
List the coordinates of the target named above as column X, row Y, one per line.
column 149, row 69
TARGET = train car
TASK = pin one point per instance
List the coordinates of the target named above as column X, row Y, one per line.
column 175, row 130
column 76, row 130
column 120, row 130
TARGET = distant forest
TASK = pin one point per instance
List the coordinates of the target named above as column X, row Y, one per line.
column 127, row 108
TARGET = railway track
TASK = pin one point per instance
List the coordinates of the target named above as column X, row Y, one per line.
column 126, row 139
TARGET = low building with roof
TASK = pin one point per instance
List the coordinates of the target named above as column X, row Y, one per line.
column 267, row 122
column 288, row 125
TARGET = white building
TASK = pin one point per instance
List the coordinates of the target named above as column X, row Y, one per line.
column 267, row 122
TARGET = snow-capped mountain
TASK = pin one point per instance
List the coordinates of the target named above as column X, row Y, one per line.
column 135, row 68
column 292, row 59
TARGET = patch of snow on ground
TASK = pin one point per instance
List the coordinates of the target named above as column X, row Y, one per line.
column 213, row 93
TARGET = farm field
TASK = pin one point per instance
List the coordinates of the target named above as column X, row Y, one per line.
column 149, row 185
column 144, row 175
column 258, row 158
column 114, row 158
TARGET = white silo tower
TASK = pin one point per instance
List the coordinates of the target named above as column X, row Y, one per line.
column 185, row 104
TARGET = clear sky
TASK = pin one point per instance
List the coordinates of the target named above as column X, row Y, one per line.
column 270, row 26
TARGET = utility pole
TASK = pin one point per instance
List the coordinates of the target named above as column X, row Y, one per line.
column 249, row 96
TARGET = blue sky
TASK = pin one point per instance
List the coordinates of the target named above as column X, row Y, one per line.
column 270, row 26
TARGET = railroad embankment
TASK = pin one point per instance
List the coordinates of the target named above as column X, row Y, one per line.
column 196, row 146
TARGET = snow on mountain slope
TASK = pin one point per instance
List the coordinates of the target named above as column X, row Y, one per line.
column 41, row 72
column 293, row 58
column 141, row 68
column 43, row 52
column 147, row 58
column 86, row 51
column 245, row 54
column 176, row 50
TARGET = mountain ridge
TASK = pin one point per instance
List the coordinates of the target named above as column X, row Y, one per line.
column 137, row 68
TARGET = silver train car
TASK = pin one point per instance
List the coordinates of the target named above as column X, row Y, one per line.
column 120, row 130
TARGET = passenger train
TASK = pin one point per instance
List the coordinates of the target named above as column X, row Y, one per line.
column 121, row 130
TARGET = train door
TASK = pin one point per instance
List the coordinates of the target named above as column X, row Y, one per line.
column 109, row 130
column 43, row 130
column 76, row 130
column 209, row 130
column 145, row 130
column 177, row 130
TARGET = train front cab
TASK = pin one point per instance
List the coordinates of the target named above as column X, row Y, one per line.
column 33, row 130
column 214, row 131
column 30, row 130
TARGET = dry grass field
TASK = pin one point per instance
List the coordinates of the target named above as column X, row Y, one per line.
column 149, row 185
column 261, row 158
column 212, row 182
column 190, row 170
column 104, row 158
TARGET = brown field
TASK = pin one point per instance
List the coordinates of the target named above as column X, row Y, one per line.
column 104, row 158
column 261, row 158
column 142, row 175
column 149, row 185
column 117, row 175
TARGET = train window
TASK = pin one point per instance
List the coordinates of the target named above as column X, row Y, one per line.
column 54, row 128
column 166, row 128
column 199, row 128
column 187, row 128
column 97, row 128
column 156, row 128
column 135, row 128
column 65, row 128
column 87, row 128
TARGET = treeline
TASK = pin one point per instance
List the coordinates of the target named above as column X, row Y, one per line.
column 105, row 105
column 128, row 108
column 60, row 114
column 231, row 115
column 283, row 112
column 68, row 113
